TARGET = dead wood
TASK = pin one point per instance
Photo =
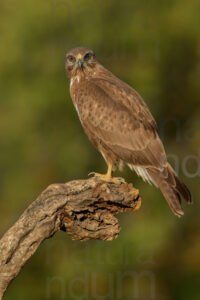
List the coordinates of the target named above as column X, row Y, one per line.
column 84, row 209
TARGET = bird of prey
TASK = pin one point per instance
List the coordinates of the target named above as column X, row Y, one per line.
column 119, row 124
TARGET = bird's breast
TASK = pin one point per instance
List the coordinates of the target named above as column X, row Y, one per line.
column 74, row 82
column 75, row 92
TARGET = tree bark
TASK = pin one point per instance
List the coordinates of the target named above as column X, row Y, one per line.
column 84, row 209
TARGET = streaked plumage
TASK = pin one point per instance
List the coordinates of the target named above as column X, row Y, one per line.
column 120, row 125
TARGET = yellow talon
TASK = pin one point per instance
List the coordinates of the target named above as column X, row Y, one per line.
column 108, row 176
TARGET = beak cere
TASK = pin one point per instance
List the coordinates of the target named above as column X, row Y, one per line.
column 80, row 63
column 79, row 59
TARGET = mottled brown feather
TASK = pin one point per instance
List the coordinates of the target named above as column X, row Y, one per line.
column 120, row 125
column 133, row 139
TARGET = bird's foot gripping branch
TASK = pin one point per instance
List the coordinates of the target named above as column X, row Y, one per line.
column 84, row 209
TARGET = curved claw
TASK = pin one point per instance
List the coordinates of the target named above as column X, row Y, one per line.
column 91, row 173
column 107, row 178
column 120, row 179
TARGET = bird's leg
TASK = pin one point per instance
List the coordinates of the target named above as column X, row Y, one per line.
column 108, row 176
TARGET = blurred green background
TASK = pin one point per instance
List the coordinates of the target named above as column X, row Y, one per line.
column 155, row 47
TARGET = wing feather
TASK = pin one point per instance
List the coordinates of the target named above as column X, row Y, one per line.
column 118, row 116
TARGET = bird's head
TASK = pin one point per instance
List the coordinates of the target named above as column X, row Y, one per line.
column 79, row 60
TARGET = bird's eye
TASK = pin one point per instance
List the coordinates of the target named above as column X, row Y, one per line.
column 71, row 58
column 88, row 56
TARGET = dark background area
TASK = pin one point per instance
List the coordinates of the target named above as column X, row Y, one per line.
column 155, row 47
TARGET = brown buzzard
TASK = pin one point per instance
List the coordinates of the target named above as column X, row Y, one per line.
column 119, row 124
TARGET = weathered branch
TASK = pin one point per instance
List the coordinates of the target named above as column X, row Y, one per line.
column 85, row 209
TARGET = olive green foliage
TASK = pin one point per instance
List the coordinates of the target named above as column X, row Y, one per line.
column 155, row 47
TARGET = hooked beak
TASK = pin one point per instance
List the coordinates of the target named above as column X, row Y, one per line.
column 79, row 60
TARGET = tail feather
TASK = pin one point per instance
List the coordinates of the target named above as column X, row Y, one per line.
column 181, row 187
column 172, row 188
